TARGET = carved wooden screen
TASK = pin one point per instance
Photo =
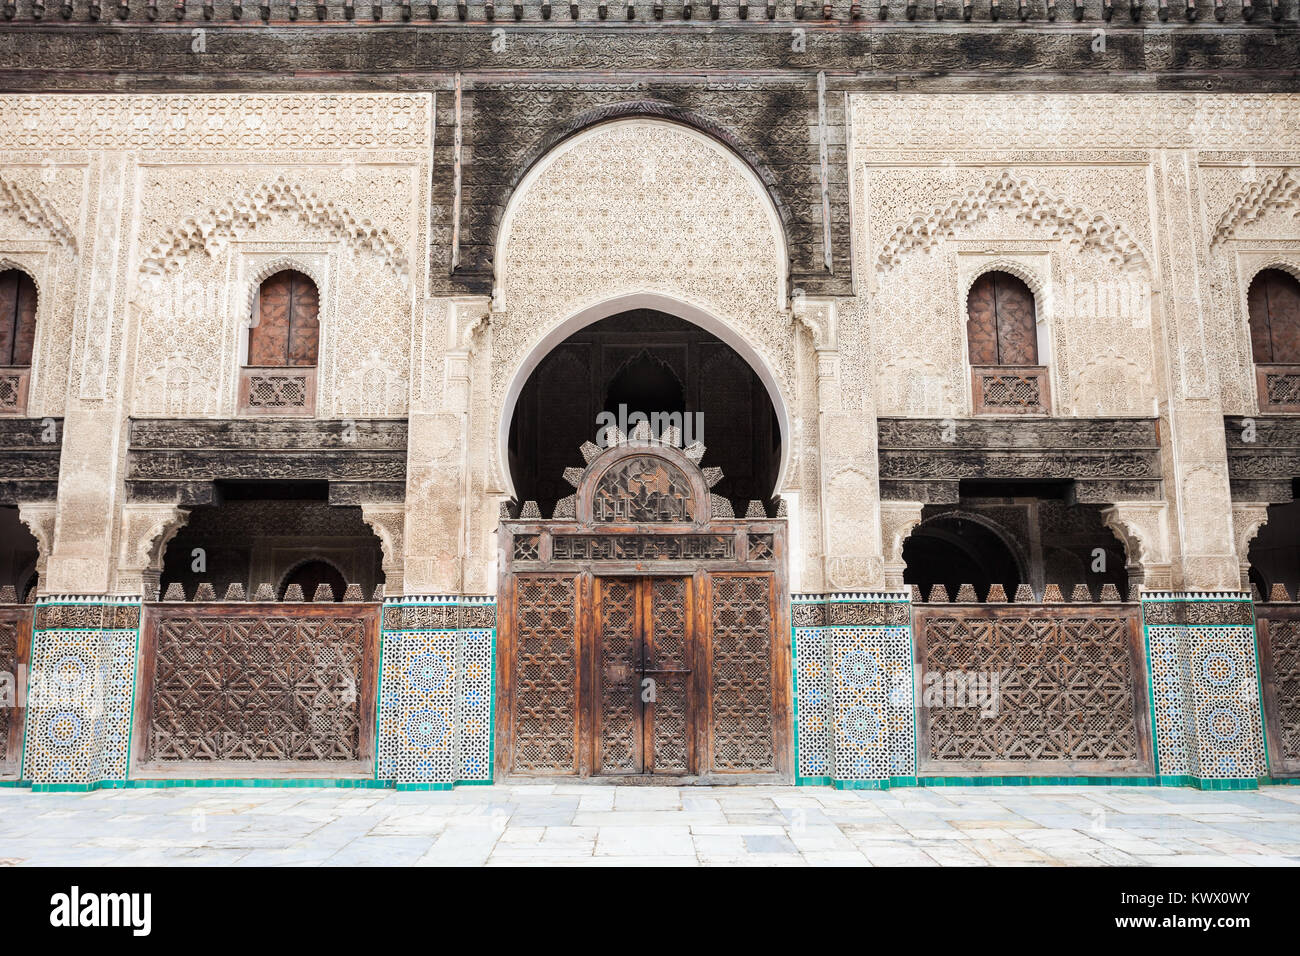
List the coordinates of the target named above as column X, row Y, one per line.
column 544, row 681
column 15, row 644
column 1274, row 305
column 639, row 635
column 1278, row 629
column 1001, row 328
column 1069, row 695
column 742, row 675
column 282, row 682
column 288, row 330
column 17, row 318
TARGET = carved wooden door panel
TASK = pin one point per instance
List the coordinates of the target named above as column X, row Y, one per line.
column 644, row 658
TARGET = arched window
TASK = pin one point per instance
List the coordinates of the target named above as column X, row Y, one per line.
column 287, row 331
column 1274, row 301
column 17, row 335
column 1274, row 305
column 279, row 377
column 1001, row 325
column 1002, row 335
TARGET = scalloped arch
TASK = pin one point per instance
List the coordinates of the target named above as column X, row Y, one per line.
column 256, row 207
column 1032, row 204
column 1278, row 191
column 280, row 264
column 35, row 211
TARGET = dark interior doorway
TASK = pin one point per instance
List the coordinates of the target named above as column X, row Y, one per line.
column 649, row 362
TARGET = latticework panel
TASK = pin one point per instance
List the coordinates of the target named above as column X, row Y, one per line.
column 257, row 688
column 544, row 675
column 669, row 658
column 13, row 390
column 1038, row 689
column 8, row 665
column 278, row 389
column 742, row 673
column 1284, row 652
column 1281, row 388
column 1011, row 389
column 619, row 657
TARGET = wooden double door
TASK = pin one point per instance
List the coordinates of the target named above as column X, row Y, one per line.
column 673, row 677
column 643, row 653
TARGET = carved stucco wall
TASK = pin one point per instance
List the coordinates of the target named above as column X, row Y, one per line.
column 146, row 221
column 1137, row 220
column 625, row 209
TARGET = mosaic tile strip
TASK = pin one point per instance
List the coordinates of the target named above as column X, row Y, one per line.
column 82, row 690
column 1204, row 685
column 435, row 692
column 872, row 694
column 854, row 694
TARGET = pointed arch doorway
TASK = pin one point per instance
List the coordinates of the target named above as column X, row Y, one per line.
column 641, row 622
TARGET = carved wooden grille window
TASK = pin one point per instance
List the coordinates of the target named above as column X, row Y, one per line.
column 1001, row 326
column 287, row 332
column 1068, row 693
column 239, row 687
column 1002, row 334
column 17, row 336
column 742, row 673
column 544, row 674
column 1274, row 305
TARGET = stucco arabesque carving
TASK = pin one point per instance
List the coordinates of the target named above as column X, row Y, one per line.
column 1143, row 528
column 1074, row 224
column 1247, row 519
column 218, row 225
column 36, row 212
column 388, row 521
column 147, row 529
column 39, row 517
column 1278, row 191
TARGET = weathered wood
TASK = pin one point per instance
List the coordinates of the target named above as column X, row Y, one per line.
column 1277, row 629
column 277, row 730
column 1083, row 711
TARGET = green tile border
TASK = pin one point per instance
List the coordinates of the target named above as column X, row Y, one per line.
column 1178, row 780
column 270, row 783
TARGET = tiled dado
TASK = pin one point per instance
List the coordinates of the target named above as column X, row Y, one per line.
column 435, row 690
column 1204, row 673
column 82, row 691
column 854, row 716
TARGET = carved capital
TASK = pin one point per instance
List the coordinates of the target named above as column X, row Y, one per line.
column 388, row 521
column 1247, row 518
column 39, row 518
column 819, row 316
column 897, row 519
column 467, row 317
column 147, row 529
column 1143, row 528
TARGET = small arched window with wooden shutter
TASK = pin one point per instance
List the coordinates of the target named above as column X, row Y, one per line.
column 1002, row 337
column 17, row 338
column 283, row 342
column 1273, row 302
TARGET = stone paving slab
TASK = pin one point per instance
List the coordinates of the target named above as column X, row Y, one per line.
column 592, row 825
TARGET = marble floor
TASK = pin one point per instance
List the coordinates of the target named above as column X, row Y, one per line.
column 599, row 825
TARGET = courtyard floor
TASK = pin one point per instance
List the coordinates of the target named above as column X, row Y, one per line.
column 597, row 825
